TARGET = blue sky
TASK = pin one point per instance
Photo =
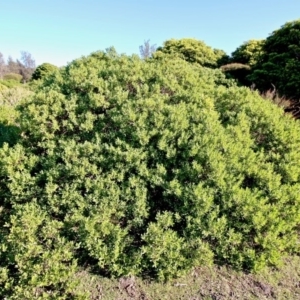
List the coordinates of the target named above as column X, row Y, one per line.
column 58, row 31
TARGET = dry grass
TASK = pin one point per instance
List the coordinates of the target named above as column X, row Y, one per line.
column 291, row 107
column 207, row 283
column 234, row 66
column 280, row 101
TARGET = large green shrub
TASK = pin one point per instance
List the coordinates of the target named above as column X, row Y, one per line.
column 141, row 167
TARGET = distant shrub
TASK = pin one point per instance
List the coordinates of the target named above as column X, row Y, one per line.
column 12, row 96
column 9, row 98
column 13, row 77
column 10, row 83
column 9, row 131
column 238, row 72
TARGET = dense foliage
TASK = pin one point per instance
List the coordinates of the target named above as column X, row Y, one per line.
column 144, row 167
column 280, row 62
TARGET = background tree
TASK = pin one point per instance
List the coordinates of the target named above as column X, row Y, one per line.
column 146, row 50
column 2, row 65
column 43, row 70
column 27, row 65
column 24, row 67
column 239, row 65
column 193, row 51
column 12, row 66
column 248, row 53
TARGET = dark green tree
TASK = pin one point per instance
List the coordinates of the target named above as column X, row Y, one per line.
column 280, row 63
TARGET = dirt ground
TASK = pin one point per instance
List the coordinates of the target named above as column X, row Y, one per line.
column 207, row 283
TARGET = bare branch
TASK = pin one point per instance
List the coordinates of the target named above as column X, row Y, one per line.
column 146, row 50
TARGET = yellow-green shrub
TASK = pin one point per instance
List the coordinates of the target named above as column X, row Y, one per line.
column 148, row 166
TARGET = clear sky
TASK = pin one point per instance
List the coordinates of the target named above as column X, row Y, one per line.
column 58, row 31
